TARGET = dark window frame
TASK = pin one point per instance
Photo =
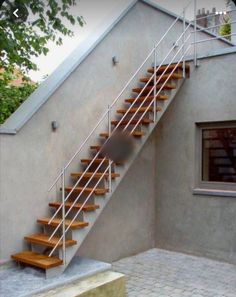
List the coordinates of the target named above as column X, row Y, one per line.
column 210, row 187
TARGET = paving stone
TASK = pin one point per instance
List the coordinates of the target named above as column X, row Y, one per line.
column 169, row 274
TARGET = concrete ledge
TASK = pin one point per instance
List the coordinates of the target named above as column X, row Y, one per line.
column 211, row 192
column 107, row 284
column 26, row 282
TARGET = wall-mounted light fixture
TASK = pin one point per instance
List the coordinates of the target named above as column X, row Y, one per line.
column 55, row 125
column 115, row 60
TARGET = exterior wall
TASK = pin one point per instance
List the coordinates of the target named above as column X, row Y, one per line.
column 32, row 158
column 204, row 225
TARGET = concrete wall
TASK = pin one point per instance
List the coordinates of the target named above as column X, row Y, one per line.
column 204, row 225
column 32, row 158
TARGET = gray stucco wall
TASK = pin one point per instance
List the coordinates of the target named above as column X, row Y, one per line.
column 32, row 158
column 204, row 225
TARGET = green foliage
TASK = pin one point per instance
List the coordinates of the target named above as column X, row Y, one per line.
column 43, row 22
column 225, row 29
column 12, row 96
column 21, row 39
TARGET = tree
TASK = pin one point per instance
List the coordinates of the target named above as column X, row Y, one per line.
column 39, row 22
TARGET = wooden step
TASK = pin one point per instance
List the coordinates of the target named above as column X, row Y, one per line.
column 170, row 68
column 96, row 175
column 134, row 109
column 55, row 222
column 158, row 87
column 37, row 260
column 43, row 239
column 135, row 134
column 97, row 191
column 162, row 78
column 133, row 122
column 146, row 99
column 98, row 160
column 77, row 206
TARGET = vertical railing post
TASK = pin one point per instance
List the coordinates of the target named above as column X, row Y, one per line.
column 110, row 162
column 63, row 218
column 155, row 86
column 195, row 33
column 183, row 39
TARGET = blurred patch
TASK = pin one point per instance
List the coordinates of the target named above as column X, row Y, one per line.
column 119, row 147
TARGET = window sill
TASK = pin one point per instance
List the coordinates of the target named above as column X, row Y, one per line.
column 211, row 192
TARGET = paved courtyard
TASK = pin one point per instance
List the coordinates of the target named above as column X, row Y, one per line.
column 160, row 273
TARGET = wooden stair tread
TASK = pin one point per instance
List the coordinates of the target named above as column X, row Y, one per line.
column 134, row 109
column 37, row 259
column 55, row 222
column 135, row 134
column 133, row 122
column 159, row 86
column 164, row 77
column 77, row 206
column 170, row 68
column 98, row 160
column 43, row 239
column 147, row 99
column 97, row 191
column 96, row 175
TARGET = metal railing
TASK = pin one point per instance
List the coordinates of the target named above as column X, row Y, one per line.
column 186, row 44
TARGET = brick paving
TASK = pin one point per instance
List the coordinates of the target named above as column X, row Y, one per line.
column 160, row 273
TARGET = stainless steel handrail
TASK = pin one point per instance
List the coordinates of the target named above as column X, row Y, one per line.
column 107, row 115
column 114, row 102
column 212, row 27
column 105, row 158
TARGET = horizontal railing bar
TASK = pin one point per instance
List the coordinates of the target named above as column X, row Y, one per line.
column 214, row 38
column 212, row 27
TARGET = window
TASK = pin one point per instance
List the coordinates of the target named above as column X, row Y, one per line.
column 216, row 159
column 219, row 155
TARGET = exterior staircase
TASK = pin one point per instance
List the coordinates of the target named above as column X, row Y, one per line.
column 96, row 184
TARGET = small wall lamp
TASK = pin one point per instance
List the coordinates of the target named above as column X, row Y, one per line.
column 115, row 60
column 55, row 125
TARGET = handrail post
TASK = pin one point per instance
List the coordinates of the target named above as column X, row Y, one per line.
column 155, row 87
column 183, row 50
column 110, row 162
column 195, row 33
column 63, row 218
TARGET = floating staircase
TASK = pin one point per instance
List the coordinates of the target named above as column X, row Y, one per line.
column 42, row 244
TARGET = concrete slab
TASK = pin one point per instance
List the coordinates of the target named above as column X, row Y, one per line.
column 25, row 282
column 106, row 284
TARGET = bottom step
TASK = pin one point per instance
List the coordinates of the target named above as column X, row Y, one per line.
column 37, row 260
